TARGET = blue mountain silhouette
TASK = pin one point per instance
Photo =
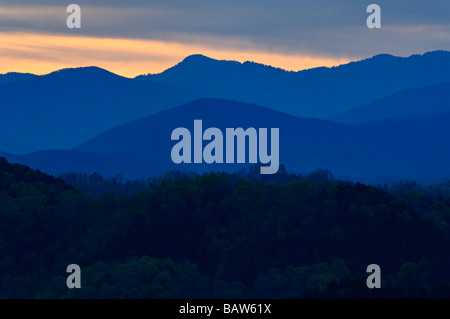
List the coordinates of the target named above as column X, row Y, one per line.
column 14, row 76
column 67, row 107
column 318, row 92
column 417, row 102
column 378, row 151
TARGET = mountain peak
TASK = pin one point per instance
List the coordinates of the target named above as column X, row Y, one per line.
column 82, row 71
column 197, row 58
column 383, row 56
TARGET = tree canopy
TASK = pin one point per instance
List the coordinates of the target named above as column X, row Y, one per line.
column 219, row 235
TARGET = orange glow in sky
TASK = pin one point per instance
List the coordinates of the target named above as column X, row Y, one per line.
column 44, row 53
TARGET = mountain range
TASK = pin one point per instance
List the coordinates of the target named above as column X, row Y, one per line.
column 68, row 107
column 317, row 92
column 376, row 120
column 372, row 152
column 415, row 102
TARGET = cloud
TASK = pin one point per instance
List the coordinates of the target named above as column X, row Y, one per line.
column 321, row 28
column 41, row 54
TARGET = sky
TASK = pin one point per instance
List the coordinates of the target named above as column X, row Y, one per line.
column 148, row 36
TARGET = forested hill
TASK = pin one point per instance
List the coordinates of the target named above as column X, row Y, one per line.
column 219, row 236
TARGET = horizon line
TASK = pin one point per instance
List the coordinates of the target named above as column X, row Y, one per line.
column 221, row 60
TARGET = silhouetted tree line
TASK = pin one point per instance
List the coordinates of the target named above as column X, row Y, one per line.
column 219, row 235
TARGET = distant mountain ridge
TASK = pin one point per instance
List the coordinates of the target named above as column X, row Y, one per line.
column 374, row 152
column 318, row 92
column 416, row 102
column 67, row 107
